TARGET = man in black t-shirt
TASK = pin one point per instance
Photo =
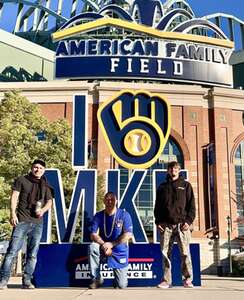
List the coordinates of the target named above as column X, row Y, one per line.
column 31, row 198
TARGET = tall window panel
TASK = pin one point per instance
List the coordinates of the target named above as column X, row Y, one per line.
column 144, row 199
column 239, row 174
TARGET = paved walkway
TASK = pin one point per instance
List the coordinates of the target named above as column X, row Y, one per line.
column 213, row 288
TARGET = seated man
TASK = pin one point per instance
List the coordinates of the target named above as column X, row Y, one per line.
column 110, row 231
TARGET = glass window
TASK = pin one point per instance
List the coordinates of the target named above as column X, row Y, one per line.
column 144, row 199
column 239, row 174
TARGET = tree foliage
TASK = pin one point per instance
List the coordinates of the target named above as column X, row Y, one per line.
column 25, row 134
column 5, row 227
column 21, row 125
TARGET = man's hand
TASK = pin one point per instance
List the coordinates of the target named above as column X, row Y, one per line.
column 107, row 248
column 161, row 227
column 13, row 219
column 40, row 213
column 184, row 226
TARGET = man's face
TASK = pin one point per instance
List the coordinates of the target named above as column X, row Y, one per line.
column 110, row 202
column 174, row 172
column 37, row 170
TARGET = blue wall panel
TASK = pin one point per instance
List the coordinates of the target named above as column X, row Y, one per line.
column 66, row 265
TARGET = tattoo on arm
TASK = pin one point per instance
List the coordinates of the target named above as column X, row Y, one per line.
column 124, row 238
column 97, row 239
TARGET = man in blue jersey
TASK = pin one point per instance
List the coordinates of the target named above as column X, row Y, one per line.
column 110, row 231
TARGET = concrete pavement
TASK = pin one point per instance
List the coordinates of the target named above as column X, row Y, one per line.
column 213, row 288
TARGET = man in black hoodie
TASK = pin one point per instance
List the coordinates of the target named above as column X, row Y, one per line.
column 174, row 212
column 31, row 198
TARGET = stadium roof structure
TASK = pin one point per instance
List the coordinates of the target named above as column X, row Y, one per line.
column 36, row 20
column 45, row 22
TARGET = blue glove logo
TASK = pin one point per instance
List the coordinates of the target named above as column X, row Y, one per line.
column 136, row 127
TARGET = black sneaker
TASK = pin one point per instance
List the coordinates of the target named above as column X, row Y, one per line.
column 28, row 286
column 96, row 283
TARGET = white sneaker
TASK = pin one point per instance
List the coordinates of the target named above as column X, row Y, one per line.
column 3, row 284
column 188, row 284
column 163, row 285
column 28, row 286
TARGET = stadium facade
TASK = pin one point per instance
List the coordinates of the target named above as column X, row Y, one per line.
column 207, row 110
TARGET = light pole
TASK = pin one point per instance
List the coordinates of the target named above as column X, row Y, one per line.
column 228, row 218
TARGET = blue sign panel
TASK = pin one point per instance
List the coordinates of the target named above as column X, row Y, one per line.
column 128, row 67
column 79, row 158
column 67, row 265
column 166, row 50
column 83, row 202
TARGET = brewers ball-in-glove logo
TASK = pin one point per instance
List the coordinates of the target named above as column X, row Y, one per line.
column 136, row 127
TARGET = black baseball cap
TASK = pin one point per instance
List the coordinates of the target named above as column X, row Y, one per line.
column 40, row 162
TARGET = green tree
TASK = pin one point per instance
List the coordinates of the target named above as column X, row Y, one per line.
column 21, row 125
column 100, row 192
column 5, row 227
column 4, row 193
column 25, row 134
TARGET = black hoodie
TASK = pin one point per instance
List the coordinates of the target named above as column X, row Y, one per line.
column 175, row 202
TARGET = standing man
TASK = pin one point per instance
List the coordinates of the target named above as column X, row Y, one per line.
column 110, row 231
column 31, row 198
column 174, row 213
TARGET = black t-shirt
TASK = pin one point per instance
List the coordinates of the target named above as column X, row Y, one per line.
column 24, row 213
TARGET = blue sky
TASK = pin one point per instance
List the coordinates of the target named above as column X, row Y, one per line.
column 205, row 7
column 200, row 7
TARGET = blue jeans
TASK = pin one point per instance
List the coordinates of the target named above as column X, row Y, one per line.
column 120, row 275
column 33, row 232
